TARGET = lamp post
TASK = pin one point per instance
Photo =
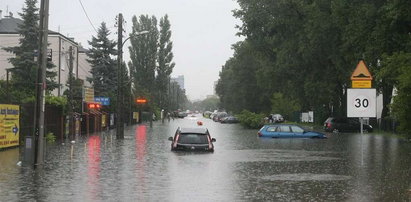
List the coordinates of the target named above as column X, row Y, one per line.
column 120, row 79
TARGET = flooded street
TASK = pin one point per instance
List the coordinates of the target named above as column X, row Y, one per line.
column 243, row 168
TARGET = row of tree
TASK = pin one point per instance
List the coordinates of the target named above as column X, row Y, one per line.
column 149, row 69
column 148, row 76
column 301, row 54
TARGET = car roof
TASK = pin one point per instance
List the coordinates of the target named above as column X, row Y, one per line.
column 194, row 130
column 268, row 125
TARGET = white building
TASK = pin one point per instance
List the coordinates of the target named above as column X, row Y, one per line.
column 58, row 45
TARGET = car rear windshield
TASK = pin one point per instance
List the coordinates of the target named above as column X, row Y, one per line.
column 193, row 139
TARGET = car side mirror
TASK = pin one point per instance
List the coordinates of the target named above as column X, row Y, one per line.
column 213, row 140
column 170, row 138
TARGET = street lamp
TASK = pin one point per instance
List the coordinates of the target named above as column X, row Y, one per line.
column 134, row 35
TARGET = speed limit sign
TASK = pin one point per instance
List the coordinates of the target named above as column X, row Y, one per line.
column 361, row 102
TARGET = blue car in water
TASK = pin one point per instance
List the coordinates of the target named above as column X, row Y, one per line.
column 287, row 131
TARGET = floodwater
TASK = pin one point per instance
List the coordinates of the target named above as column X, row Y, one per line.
column 344, row 167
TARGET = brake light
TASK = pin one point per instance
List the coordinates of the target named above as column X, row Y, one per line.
column 209, row 143
column 259, row 134
column 175, row 141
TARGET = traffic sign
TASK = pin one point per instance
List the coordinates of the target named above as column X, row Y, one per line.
column 361, row 72
column 103, row 100
column 93, row 105
column 361, row 102
column 361, row 84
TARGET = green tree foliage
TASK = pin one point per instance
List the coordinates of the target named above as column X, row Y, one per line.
column 211, row 103
column 284, row 106
column 103, row 67
column 143, row 51
column 165, row 64
column 77, row 94
column 307, row 50
column 25, row 67
column 396, row 70
column 237, row 86
column 178, row 98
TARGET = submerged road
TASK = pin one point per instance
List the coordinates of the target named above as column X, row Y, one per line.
column 344, row 167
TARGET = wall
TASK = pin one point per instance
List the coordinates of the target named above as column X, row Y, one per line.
column 6, row 40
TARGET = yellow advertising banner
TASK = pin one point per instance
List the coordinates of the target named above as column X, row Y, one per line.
column 136, row 116
column 103, row 120
column 88, row 94
column 9, row 125
column 77, row 128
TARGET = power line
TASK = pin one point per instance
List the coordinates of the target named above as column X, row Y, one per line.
column 87, row 16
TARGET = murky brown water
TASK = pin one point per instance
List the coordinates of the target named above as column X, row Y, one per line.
column 242, row 168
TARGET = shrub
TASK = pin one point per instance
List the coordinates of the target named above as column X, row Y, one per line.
column 50, row 138
column 251, row 120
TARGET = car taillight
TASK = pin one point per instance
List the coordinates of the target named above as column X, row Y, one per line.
column 259, row 134
column 328, row 125
column 175, row 141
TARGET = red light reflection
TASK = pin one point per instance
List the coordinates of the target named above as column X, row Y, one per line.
column 141, row 139
column 93, row 168
column 141, row 133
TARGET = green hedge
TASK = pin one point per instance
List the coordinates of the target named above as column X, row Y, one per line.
column 251, row 120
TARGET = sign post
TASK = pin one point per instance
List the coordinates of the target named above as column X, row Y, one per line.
column 361, row 98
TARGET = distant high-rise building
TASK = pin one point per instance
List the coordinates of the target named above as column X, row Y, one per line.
column 179, row 80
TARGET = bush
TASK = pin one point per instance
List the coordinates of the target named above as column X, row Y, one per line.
column 251, row 120
column 50, row 138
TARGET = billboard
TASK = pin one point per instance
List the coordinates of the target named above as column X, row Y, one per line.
column 88, row 94
column 9, row 125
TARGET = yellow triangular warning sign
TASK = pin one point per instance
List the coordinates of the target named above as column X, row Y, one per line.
column 361, row 72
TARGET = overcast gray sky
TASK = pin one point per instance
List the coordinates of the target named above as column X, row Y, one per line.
column 202, row 31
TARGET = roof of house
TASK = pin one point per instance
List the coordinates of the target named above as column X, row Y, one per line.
column 10, row 25
column 81, row 49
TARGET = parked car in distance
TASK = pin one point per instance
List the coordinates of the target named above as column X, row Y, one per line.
column 229, row 119
column 277, row 118
column 219, row 116
column 192, row 139
column 287, row 131
column 181, row 115
column 344, row 124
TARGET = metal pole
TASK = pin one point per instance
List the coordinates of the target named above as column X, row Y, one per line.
column 120, row 125
column 41, row 84
column 362, row 150
column 70, row 101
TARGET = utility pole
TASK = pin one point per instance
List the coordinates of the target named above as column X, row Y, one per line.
column 120, row 96
column 70, row 97
column 41, row 84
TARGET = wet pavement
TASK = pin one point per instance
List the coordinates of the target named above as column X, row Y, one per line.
column 344, row 167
